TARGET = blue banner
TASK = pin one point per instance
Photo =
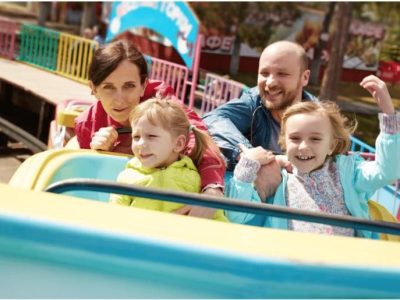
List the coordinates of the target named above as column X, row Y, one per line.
column 173, row 20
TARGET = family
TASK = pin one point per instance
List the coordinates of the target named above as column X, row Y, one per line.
column 284, row 146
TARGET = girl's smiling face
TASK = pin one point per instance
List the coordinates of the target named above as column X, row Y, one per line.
column 309, row 140
column 154, row 146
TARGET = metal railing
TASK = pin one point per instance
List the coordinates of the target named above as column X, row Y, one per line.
column 62, row 53
column 39, row 46
column 173, row 74
column 74, row 56
column 360, row 146
column 223, row 203
column 18, row 134
column 219, row 90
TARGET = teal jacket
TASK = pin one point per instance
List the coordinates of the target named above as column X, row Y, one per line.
column 360, row 179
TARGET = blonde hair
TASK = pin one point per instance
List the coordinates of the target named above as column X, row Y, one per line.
column 341, row 127
column 170, row 115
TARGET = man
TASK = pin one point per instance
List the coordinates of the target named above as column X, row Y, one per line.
column 254, row 119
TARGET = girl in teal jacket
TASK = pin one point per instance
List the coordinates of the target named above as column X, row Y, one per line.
column 160, row 133
column 324, row 179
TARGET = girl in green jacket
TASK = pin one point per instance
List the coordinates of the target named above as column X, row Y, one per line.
column 160, row 132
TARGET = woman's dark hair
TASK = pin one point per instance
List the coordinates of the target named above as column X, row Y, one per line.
column 108, row 57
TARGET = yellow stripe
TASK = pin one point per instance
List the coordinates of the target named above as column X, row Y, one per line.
column 245, row 240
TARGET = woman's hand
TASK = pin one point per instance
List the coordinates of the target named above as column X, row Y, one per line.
column 378, row 89
column 104, row 139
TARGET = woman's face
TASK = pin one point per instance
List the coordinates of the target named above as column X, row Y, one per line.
column 120, row 92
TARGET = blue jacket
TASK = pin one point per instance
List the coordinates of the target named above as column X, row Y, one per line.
column 360, row 179
column 240, row 121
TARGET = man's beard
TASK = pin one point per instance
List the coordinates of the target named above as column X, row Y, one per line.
column 288, row 98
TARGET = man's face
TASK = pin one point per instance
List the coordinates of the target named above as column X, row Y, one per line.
column 280, row 78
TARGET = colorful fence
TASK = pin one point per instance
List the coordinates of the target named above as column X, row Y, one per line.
column 74, row 56
column 218, row 90
column 173, row 74
column 39, row 46
column 62, row 53
column 8, row 31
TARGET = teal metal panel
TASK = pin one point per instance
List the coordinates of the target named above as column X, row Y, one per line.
column 52, row 260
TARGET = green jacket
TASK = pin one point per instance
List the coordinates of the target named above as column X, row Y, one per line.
column 181, row 175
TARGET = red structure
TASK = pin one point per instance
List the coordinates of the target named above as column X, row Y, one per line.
column 389, row 71
column 8, row 31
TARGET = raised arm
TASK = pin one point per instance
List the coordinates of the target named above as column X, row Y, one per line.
column 378, row 90
column 386, row 167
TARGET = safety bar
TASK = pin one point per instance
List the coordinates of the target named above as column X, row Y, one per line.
column 223, row 203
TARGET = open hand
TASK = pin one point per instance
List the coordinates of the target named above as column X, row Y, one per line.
column 378, row 89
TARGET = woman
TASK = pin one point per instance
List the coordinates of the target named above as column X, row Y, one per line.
column 119, row 80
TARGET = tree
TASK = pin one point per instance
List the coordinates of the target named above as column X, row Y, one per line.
column 387, row 13
column 44, row 11
column 88, row 16
column 252, row 23
column 339, row 34
column 321, row 45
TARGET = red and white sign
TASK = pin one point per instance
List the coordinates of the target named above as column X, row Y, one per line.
column 217, row 44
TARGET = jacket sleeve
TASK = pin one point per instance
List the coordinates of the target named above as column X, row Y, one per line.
column 372, row 175
column 243, row 191
column 211, row 168
column 83, row 127
column 125, row 200
column 229, row 124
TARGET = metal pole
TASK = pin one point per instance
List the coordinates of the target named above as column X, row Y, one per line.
column 195, row 71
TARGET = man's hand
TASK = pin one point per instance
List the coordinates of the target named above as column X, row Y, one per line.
column 268, row 179
column 283, row 162
column 269, row 175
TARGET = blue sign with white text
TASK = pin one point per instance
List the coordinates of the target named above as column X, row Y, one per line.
column 173, row 20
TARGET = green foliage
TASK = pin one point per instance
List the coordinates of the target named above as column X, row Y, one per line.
column 387, row 13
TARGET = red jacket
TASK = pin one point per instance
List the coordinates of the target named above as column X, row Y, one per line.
column 211, row 169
